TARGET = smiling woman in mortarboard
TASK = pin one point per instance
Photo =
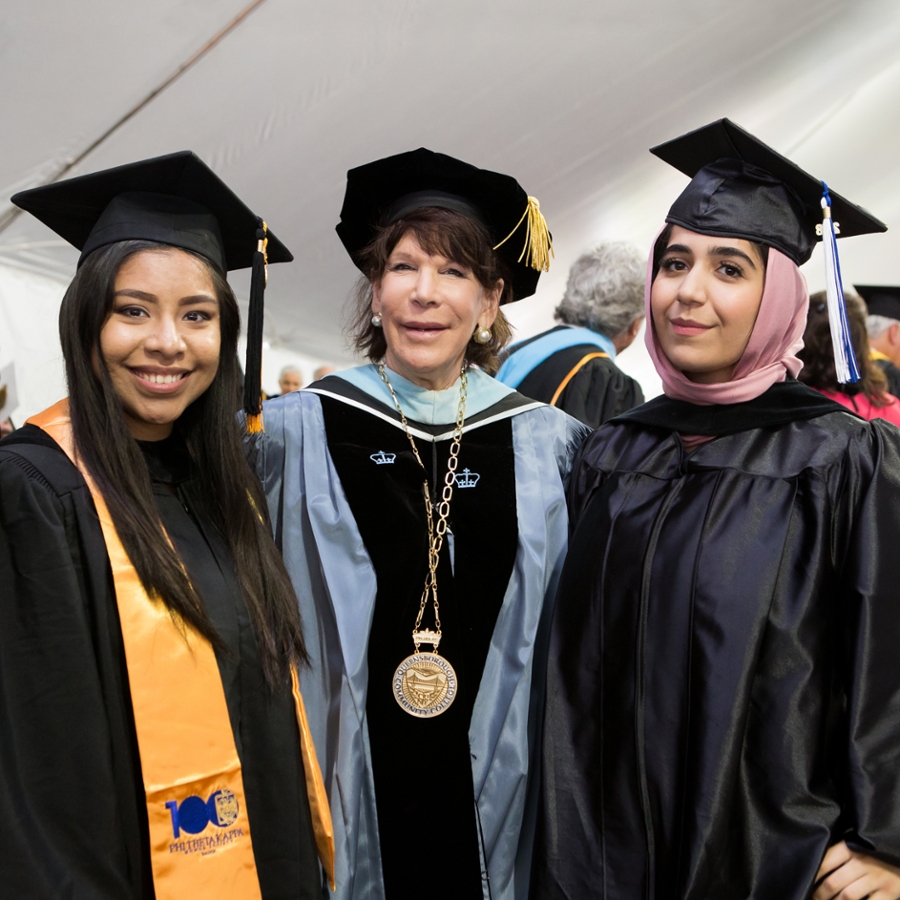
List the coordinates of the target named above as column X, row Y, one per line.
column 723, row 694
column 420, row 507
column 153, row 742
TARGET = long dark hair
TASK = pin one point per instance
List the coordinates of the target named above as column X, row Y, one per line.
column 440, row 232
column 231, row 495
column 818, row 355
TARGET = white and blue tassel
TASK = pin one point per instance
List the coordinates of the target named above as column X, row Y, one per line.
column 845, row 363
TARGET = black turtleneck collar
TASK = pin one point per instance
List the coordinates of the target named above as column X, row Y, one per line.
column 168, row 460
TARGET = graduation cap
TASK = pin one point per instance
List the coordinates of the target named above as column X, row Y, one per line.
column 742, row 188
column 880, row 300
column 386, row 190
column 175, row 200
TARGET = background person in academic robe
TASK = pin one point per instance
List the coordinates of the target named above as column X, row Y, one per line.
column 883, row 326
column 149, row 329
column 867, row 397
column 723, row 697
column 572, row 365
column 431, row 770
column 290, row 379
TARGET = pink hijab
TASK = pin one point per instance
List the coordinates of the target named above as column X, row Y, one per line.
column 771, row 352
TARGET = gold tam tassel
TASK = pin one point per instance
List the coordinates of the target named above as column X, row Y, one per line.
column 252, row 400
column 538, row 248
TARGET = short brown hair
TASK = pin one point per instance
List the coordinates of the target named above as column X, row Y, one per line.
column 440, row 232
column 818, row 355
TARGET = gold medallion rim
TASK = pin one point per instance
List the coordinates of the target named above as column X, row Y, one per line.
column 418, row 711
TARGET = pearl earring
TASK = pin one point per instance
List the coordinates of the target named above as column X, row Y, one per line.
column 376, row 320
column 482, row 335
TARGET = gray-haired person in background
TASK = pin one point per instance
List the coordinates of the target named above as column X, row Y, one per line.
column 572, row 365
column 290, row 379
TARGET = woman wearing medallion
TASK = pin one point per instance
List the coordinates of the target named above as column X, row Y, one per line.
column 151, row 744
column 723, row 714
column 420, row 508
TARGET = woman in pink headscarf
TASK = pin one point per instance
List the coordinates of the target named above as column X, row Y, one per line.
column 723, row 704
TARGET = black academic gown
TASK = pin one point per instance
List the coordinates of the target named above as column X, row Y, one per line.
column 73, row 821
column 597, row 392
column 724, row 694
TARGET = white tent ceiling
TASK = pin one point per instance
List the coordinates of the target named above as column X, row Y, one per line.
column 567, row 96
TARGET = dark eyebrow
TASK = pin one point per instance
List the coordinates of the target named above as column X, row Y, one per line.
column 731, row 251
column 679, row 248
column 151, row 298
column 137, row 295
column 198, row 298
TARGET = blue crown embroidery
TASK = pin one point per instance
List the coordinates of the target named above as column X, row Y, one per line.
column 467, row 479
column 383, row 459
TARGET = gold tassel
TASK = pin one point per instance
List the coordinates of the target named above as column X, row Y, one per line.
column 262, row 246
column 253, row 395
column 254, row 424
column 538, row 248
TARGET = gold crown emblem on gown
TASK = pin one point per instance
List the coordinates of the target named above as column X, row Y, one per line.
column 383, row 459
column 467, row 479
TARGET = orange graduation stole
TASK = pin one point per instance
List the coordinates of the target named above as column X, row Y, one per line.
column 578, row 367
column 200, row 843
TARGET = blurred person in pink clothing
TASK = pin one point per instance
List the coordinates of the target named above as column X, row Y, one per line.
column 867, row 397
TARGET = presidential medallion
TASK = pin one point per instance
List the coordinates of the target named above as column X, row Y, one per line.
column 425, row 685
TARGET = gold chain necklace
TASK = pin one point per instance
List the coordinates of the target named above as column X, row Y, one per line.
column 425, row 683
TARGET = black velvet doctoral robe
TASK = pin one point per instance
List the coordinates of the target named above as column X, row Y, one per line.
column 724, row 691
column 422, row 768
column 73, row 819
column 599, row 390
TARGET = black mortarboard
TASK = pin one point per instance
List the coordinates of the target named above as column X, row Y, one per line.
column 383, row 191
column 176, row 200
column 880, row 300
column 742, row 188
